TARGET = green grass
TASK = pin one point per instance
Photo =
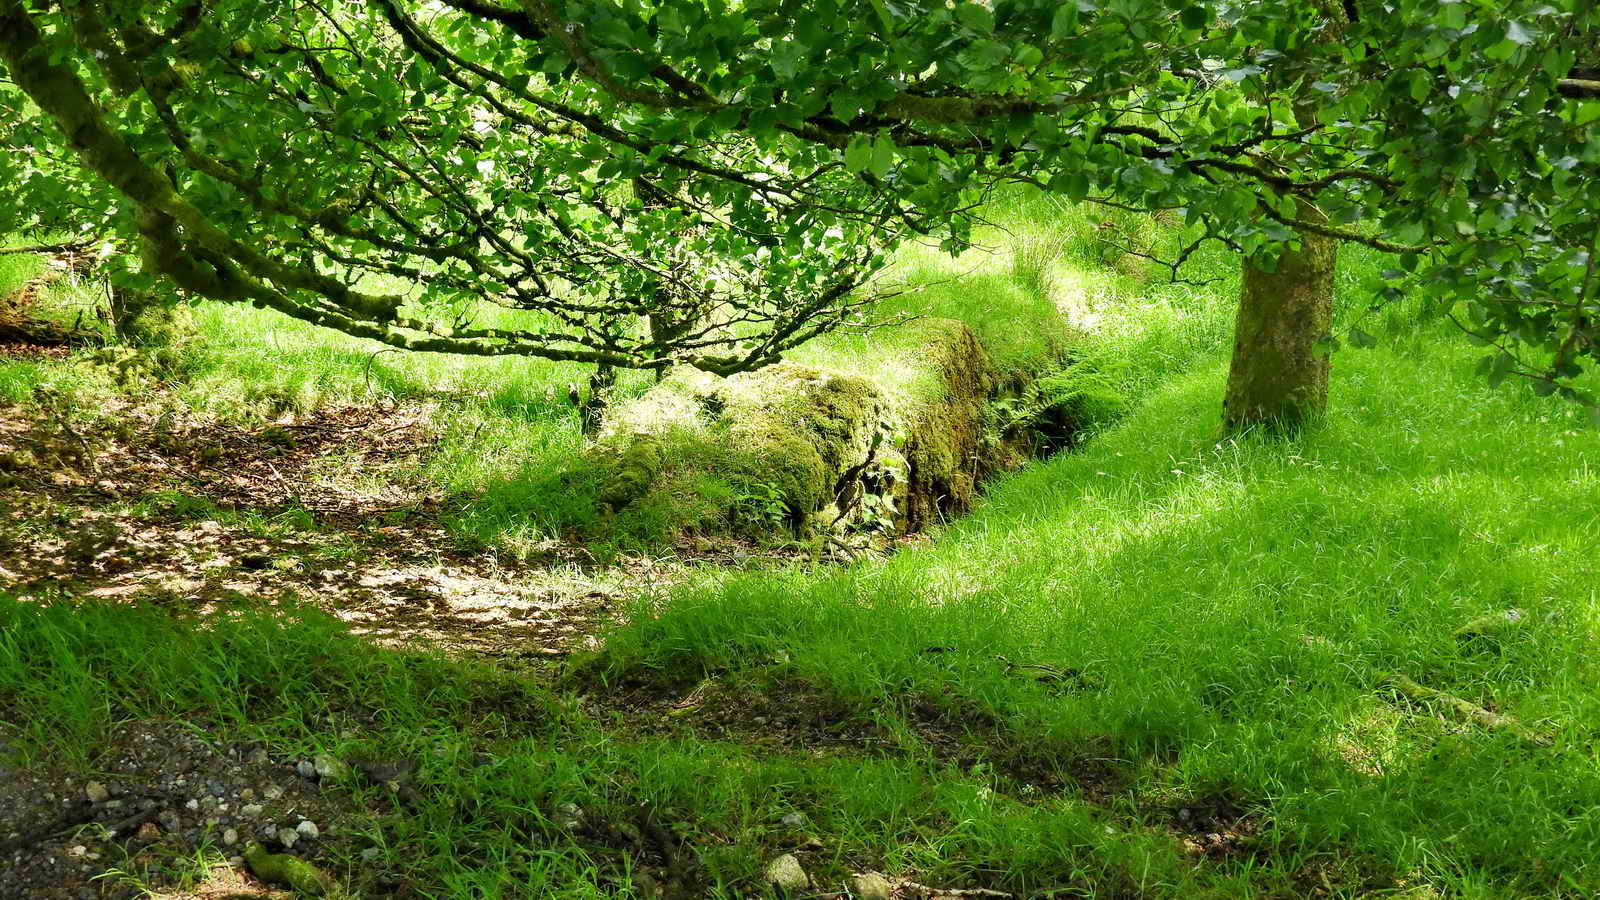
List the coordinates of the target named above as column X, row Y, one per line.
column 1235, row 608
column 1243, row 602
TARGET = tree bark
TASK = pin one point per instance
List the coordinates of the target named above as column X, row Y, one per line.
column 1279, row 376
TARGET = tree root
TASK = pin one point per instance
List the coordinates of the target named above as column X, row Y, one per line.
column 20, row 329
column 1468, row 710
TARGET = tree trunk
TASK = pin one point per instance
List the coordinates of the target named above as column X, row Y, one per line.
column 1279, row 377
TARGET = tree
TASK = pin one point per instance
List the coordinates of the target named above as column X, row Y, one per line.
column 278, row 152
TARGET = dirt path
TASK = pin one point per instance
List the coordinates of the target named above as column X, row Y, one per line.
column 204, row 517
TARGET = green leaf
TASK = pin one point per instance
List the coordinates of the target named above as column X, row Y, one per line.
column 975, row 17
column 1065, row 22
column 1362, row 340
column 858, row 155
column 1518, row 34
column 882, row 156
column 1195, row 17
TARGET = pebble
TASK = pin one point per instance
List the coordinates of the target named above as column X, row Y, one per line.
column 568, row 816
column 247, row 794
column 871, row 886
column 306, row 768
column 329, row 767
column 148, row 832
column 793, row 820
column 77, row 850
column 370, row 854
column 193, row 804
column 96, row 792
column 272, row 792
column 287, row 837
column 308, row 829
column 230, row 837
column 251, row 810
column 786, row 874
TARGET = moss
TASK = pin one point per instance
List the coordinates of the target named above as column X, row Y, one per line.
column 629, row 467
column 772, row 453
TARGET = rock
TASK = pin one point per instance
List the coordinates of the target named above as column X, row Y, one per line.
column 148, row 832
column 247, row 794
column 870, row 886
column 77, row 851
column 251, row 810
column 793, row 820
column 298, row 874
column 308, row 830
column 568, row 816
column 306, row 768
column 786, row 874
column 272, row 792
column 288, row 837
column 398, row 771
column 96, row 792
column 230, row 837
column 192, row 805
column 370, row 854
column 330, row 768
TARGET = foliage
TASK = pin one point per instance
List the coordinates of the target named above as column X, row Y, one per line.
column 743, row 167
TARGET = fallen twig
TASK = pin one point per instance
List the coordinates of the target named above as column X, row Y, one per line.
column 952, row 892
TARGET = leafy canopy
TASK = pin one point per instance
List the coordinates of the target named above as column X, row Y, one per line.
column 645, row 180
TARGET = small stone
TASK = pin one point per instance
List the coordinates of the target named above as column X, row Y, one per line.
column 870, row 886
column 247, row 794
column 308, row 829
column 793, row 820
column 77, row 851
column 369, row 854
column 287, row 837
column 251, row 810
column 330, row 768
column 148, row 832
column 568, row 816
column 786, row 874
column 230, row 837
column 113, row 804
column 193, row 804
column 306, row 768
column 272, row 792
column 96, row 792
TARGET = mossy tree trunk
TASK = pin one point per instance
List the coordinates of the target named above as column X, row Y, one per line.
column 1279, row 375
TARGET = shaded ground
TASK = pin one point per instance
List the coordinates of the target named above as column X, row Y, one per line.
column 170, row 812
column 201, row 517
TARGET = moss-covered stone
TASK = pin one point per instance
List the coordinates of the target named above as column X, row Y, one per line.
column 802, row 449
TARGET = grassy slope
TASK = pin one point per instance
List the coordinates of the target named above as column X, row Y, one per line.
column 1237, row 606
column 1244, row 600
